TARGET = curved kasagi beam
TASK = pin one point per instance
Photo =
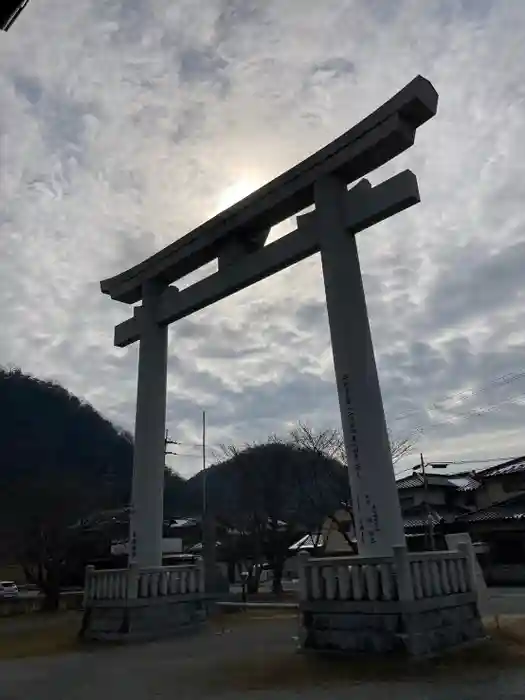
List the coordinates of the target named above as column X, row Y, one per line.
column 365, row 205
column 10, row 11
column 378, row 138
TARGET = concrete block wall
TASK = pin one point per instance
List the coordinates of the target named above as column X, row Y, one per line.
column 351, row 632
column 433, row 631
column 404, row 628
column 120, row 622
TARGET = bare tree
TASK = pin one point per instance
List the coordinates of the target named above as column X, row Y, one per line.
column 400, row 448
column 262, row 502
column 283, row 487
column 329, row 443
column 44, row 535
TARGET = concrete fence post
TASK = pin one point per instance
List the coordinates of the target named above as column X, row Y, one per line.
column 133, row 582
column 303, row 558
column 470, row 571
column 88, row 583
column 403, row 574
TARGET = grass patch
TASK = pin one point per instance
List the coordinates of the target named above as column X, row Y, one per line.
column 39, row 634
column 286, row 669
column 234, row 618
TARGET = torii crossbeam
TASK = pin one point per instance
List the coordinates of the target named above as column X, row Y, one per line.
column 236, row 239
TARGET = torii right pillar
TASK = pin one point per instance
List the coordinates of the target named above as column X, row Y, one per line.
column 375, row 501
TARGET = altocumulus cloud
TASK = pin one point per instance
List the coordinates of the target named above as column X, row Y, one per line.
column 124, row 122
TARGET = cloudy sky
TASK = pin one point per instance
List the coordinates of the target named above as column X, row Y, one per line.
column 125, row 123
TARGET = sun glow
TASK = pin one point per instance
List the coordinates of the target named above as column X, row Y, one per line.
column 235, row 192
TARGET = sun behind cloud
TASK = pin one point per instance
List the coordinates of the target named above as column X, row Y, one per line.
column 238, row 190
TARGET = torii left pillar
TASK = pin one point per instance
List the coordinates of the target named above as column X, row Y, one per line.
column 150, row 421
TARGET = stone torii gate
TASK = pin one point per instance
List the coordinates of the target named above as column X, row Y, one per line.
column 236, row 239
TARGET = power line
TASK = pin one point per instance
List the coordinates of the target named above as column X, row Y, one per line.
column 472, row 391
column 501, row 381
column 460, row 462
column 475, row 412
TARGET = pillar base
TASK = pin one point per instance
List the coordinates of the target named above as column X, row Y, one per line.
column 144, row 619
column 416, row 629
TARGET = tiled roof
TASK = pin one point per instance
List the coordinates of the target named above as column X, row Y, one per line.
column 512, row 467
column 463, row 481
column 410, row 482
column 512, row 509
column 413, row 521
column 420, row 518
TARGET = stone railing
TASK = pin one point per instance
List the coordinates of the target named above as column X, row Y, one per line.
column 402, row 577
column 439, row 573
column 125, row 584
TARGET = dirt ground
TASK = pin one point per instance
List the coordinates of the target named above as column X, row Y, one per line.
column 255, row 656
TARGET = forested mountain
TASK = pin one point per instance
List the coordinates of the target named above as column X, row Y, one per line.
column 62, row 463
column 46, row 431
column 58, row 452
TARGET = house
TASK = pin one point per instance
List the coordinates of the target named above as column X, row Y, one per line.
column 335, row 537
column 499, row 522
column 430, row 504
column 501, row 482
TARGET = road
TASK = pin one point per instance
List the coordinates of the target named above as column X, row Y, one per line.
column 505, row 601
column 35, row 594
column 248, row 661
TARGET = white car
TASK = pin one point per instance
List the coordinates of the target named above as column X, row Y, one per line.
column 8, row 589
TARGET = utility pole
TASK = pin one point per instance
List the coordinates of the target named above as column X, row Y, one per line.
column 209, row 536
column 167, row 442
column 204, row 473
column 429, row 524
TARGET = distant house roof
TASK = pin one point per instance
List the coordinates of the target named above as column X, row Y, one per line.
column 175, row 523
column 420, row 518
column 511, row 467
column 511, row 509
column 308, row 542
column 463, row 481
column 410, row 482
column 199, row 546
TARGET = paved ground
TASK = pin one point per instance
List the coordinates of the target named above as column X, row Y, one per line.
column 506, row 601
column 255, row 660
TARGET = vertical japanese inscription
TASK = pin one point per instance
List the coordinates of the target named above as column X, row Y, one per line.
column 367, row 512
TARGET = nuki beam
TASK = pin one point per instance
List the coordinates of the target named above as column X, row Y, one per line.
column 375, row 204
column 378, row 138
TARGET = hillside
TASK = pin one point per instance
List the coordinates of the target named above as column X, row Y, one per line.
column 61, row 461
column 55, row 447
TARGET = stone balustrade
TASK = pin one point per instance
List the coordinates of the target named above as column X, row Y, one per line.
column 134, row 583
column 439, row 573
column 422, row 603
column 402, row 577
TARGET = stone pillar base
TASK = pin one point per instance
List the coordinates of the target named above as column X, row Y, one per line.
column 143, row 619
column 419, row 629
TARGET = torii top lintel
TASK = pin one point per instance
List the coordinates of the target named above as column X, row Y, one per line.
column 378, row 138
